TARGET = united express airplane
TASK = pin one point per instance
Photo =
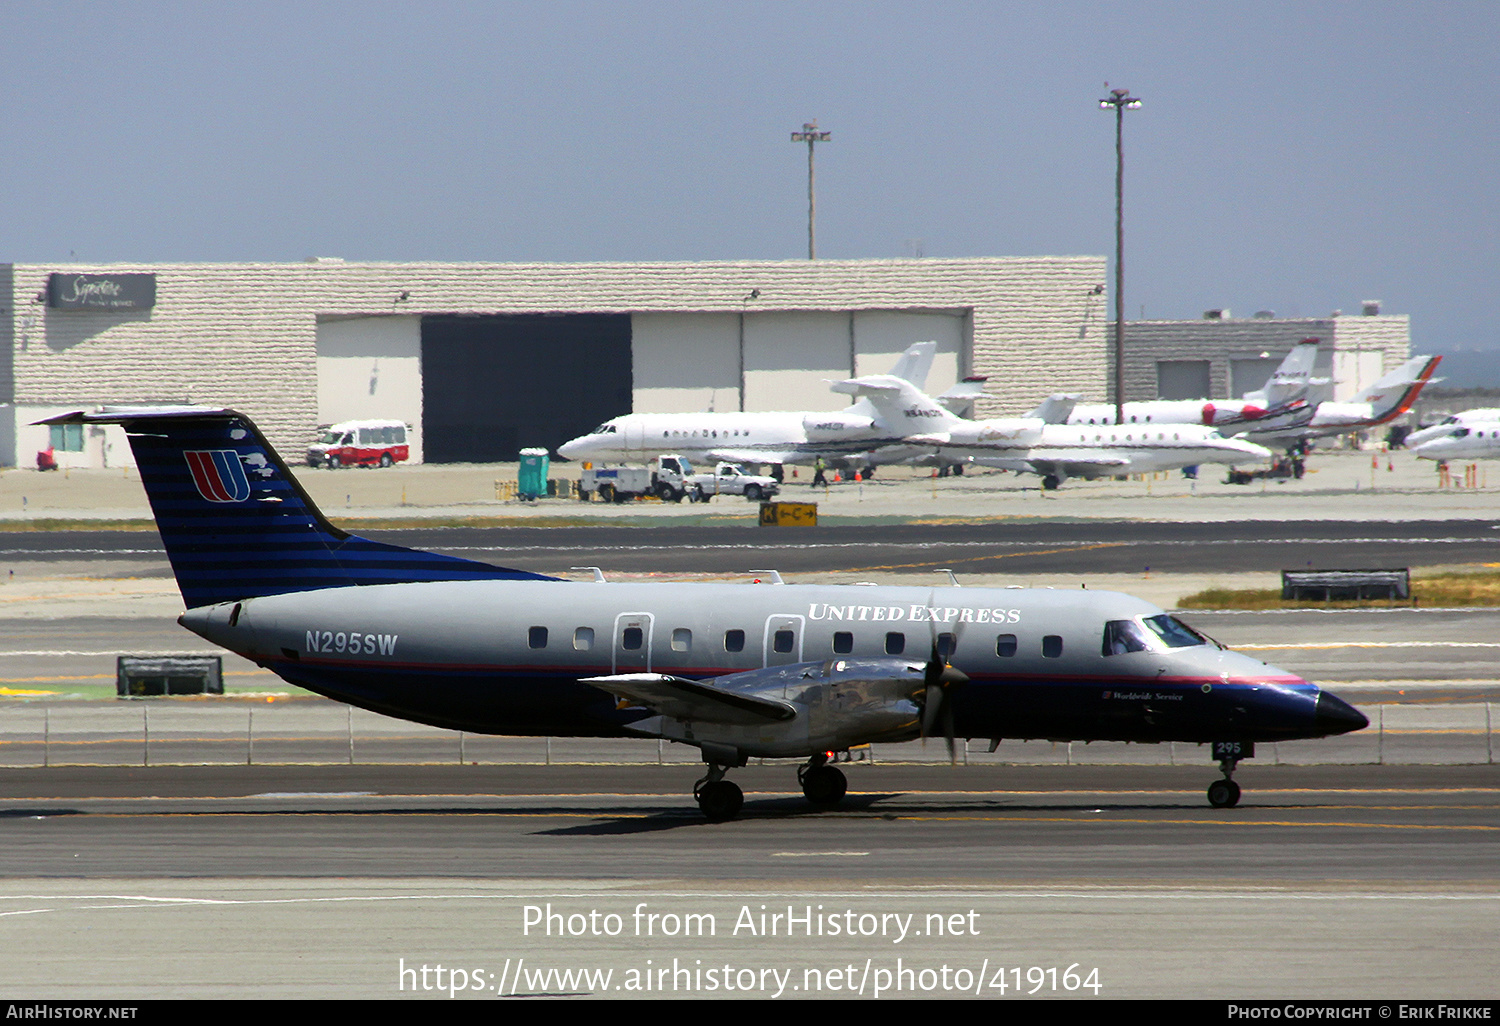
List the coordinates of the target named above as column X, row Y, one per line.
column 738, row 671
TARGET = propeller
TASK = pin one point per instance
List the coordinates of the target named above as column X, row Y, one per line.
column 938, row 676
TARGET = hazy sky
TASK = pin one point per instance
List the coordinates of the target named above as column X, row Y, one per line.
column 1297, row 157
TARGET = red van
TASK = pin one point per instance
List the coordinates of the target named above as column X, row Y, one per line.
column 365, row 443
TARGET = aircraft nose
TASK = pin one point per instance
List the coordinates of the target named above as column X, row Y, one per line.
column 1333, row 715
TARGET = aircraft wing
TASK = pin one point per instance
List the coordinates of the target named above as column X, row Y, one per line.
column 730, row 455
column 1080, row 464
column 699, row 701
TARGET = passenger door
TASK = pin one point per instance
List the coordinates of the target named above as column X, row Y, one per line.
column 632, row 643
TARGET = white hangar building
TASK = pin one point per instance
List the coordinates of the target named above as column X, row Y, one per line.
column 484, row 359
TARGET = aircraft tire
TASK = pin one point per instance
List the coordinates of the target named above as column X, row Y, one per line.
column 1050, row 482
column 1223, row 794
column 720, row 800
column 824, row 785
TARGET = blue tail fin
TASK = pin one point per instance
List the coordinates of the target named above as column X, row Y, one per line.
column 235, row 522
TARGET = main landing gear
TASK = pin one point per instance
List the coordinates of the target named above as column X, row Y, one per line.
column 720, row 799
column 822, row 784
column 1225, row 794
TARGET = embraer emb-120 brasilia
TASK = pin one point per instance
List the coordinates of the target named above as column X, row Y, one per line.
column 737, row 671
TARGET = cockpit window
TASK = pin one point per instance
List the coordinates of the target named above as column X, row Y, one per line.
column 607, row 428
column 1174, row 632
column 1149, row 634
column 1121, row 636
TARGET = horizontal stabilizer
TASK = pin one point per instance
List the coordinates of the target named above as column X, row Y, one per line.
column 864, row 386
column 959, row 399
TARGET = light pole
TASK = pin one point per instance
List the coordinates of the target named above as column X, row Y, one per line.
column 812, row 136
column 1120, row 100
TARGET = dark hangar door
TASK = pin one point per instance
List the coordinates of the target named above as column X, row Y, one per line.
column 494, row 385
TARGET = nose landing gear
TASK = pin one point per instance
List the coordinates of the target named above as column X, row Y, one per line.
column 1225, row 794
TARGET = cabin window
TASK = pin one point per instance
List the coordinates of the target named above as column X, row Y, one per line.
column 946, row 643
column 734, row 641
column 781, row 641
column 1005, row 645
column 682, row 639
column 1052, row 646
column 632, row 638
column 1122, row 636
column 536, row 637
column 583, row 639
column 843, row 642
column 895, row 643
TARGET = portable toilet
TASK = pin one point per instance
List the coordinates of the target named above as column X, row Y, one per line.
column 531, row 479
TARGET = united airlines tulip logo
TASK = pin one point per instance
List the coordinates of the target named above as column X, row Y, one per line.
column 218, row 474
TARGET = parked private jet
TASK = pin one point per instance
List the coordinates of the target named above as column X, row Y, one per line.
column 1283, row 395
column 738, row 671
column 1468, row 439
column 849, row 437
column 1054, row 451
column 1381, row 403
column 1482, row 415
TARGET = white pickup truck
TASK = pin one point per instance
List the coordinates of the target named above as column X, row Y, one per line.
column 730, row 479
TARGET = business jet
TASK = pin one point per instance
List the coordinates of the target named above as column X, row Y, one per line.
column 1468, row 439
column 850, row 437
column 738, row 671
column 1442, row 428
column 1283, row 395
column 1056, row 452
column 1384, row 401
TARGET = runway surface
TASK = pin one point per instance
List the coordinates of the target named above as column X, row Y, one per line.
column 153, row 883
column 1335, row 881
column 1006, row 546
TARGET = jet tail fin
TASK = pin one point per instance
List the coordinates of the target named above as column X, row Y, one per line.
column 914, row 364
column 1393, row 394
column 235, row 522
column 1292, row 378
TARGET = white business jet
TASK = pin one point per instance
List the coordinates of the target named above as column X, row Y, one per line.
column 1054, row 451
column 849, row 437
column 1474, row 439
column 1283, row 396
column 1444, row 428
